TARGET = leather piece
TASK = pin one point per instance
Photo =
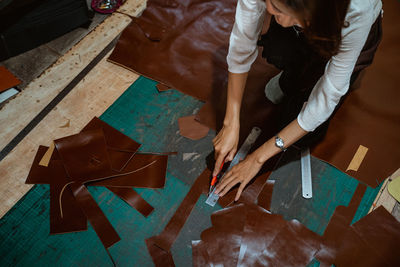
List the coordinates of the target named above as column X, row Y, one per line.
column 105, row 231
column 73, row 219
column 192, row 129
column 162, row 87
column 120, row 147
column 85, row 156
column 133, row 199
column 156, row 45
column 159, row 256
column 265, row 196
column 153, row 167
column 199, row 253
column 7, row 79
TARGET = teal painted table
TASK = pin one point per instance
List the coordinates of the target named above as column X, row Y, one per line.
column 150, row 118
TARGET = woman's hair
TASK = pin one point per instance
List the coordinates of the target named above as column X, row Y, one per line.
column 323, row 20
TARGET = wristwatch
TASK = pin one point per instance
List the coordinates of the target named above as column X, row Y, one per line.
column 279, row 143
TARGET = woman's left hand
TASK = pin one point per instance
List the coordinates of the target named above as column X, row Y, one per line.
column 241, row 173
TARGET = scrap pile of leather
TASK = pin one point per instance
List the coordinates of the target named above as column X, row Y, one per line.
column 97, row 156
column 248, row 235
column 183, row 44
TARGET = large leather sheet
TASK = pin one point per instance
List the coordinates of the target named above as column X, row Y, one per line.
column 370, row 115
column 183, row 44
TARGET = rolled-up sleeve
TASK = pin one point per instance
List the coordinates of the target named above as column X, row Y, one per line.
column 335, row 81
column 243, row 39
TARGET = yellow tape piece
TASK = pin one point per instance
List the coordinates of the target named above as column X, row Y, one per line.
column 357, row 158
column 394, row 188
column 47, row 156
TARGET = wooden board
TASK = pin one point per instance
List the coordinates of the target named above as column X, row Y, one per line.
column 132, row 8
column 384, row 198
column 20, row 111
column 91, row 97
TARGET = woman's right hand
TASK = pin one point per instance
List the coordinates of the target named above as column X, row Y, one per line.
column 225, row 145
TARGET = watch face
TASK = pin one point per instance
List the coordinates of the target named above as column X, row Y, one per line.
column 279, row 142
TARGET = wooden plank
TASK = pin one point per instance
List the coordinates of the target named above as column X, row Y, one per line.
column 133, row 8
column 20, row 111
column 91, row 97
column 384, row 198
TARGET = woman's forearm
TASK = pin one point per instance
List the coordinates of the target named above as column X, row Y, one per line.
column 290, row 135
column 236, row 85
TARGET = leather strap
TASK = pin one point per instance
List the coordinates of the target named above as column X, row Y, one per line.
column 95, row 215
column 133, row 199
column 265, row 196
column 160, row 245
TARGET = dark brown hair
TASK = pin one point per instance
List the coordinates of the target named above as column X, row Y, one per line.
column 323, row 20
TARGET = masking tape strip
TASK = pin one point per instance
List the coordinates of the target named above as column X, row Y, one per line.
column 357, row 158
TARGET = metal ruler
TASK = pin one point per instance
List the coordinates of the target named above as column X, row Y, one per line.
column 306, row 182
column 240, row 155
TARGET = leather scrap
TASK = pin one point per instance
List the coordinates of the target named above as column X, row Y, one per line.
column 84, row 156
column 103, row 228
column 192, row 129
column 152, row 166
column 7, row 79
column 265, row 196
column 73, row 219
column 162, row 87
column 133, row 199
column 120, row 147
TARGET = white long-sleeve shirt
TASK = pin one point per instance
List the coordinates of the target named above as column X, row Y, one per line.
column 335, row 81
